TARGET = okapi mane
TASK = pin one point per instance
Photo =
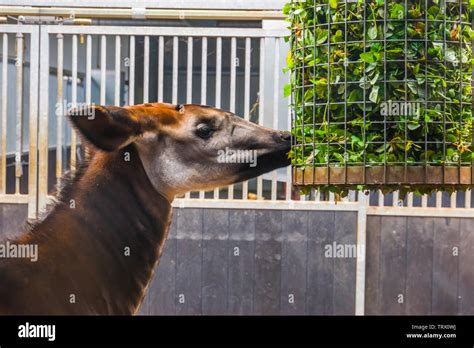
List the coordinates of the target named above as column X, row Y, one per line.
column 62, row 193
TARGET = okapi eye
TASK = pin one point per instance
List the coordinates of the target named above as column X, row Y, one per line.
column 204, row 131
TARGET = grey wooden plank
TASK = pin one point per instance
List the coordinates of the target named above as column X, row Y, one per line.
column 267, row 262
column 189, row 262
column 2, row 236
column 319, row 284
column 241, row 265
column 214, row 269
column 393, row 265
column 13, row 217
column 419, row 265
column 345, row 233
column 372, row 277
column 161, row 292
column 466, row 268
column 293, row 263
column 445, row 266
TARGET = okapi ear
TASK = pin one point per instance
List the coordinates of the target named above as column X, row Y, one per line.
column 109, row 128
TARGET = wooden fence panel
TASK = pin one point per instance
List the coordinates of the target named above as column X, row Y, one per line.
column 241, row 261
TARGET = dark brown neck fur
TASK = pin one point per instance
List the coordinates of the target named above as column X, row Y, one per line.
column 81, row 250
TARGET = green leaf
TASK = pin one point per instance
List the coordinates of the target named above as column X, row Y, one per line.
column 374, row 80
column 333, row 3
column 397, row 12
column 322, row 37
column 374, row 94
column 287, row 90
column 413, row 126
column 372, row 33
column 367, row 57
column 451, row 56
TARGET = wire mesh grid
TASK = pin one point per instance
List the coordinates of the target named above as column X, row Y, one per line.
column 381, row 92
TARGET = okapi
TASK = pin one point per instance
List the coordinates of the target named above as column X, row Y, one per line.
column 120, row 199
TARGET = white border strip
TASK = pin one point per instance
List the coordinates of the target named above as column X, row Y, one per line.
column 263, row 205
column 176, row 4
column 361, row 254
column 157, row 31
column 311, row 205
column 422, row 212
column 14, row 199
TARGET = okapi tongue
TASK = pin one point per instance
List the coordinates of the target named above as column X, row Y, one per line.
column 98, row 247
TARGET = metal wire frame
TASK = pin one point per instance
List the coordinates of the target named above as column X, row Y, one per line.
column 300, row 88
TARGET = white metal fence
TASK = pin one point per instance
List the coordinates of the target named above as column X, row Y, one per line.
column 239, row 69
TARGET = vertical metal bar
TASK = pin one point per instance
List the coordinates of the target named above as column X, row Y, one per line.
column 189, row 72
column 19, row 111
column 303, row 111
column 233, row 68
column 361, row 254
column 424, row 201
column 117, row 71
column 74, row 100
column 317, row 196
column 396, row 198
column 346, row 155
column 203, row 84
column 444, row 5
column 245, row 184
column 385, row 120
column 381, row 198
column 103, row 68
column 43, row 121
column 364, row 112
column 88, row 68
column 146, row 68
column 175, row 70
column 218, row 85
column 88, row 81
column 189, row 83
column 292, row 114
column 289, row 179
column 405, row 157
column 4, row 113
column 131, row 76
column 59, row 109
column 33, row 125
column 160, row 68
column 261, row 104
column 276, row 113
column 410, row 200
column 439, row 199
column 328, row 105
column 461, row 86
column 424, row 198
column 472, row 107
column 467, row 200
column 204, row 71
column 452, row 203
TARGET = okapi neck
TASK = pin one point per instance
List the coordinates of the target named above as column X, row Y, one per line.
column 97, row 248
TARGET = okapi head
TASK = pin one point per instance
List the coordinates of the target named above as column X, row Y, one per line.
column 186, row 147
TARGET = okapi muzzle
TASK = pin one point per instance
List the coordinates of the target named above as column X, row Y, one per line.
column 99, row 244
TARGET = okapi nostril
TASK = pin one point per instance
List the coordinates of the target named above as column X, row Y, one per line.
column 286, row 135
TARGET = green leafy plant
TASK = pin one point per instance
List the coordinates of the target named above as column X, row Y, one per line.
column 380, row 83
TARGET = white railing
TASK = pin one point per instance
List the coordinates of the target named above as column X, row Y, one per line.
column 19, row 104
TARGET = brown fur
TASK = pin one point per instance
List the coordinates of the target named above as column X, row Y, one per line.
column 116, row 207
